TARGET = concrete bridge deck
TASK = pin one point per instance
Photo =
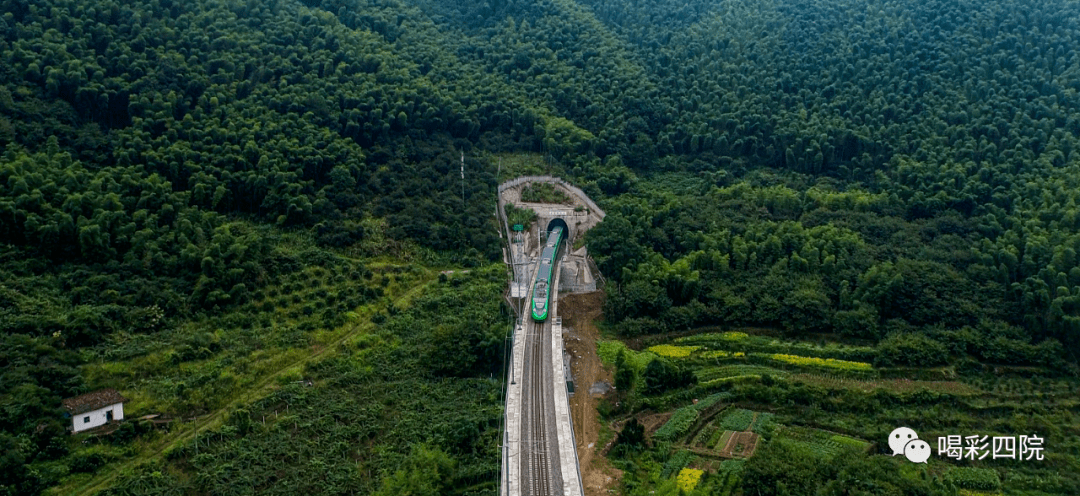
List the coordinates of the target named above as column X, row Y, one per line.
column 539, row 451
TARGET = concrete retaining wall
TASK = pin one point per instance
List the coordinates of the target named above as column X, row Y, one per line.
column 554, row 180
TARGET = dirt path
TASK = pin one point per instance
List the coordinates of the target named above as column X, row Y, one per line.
column 578, row 312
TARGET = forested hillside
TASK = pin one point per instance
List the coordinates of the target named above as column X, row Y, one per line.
column 174, row 173
column 922, row 170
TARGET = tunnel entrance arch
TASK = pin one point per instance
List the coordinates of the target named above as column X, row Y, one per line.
column 567, row 234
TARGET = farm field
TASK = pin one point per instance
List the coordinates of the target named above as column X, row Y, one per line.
column 754, row 398
column 261, row 392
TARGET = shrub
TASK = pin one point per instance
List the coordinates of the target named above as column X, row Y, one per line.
column 87, row 461
column 676, row 463
column 516, row 215
column 860, row 323
column 730, row 467
column 660, row 376
column 543, row 193
column 911, row 349
column 631, row 438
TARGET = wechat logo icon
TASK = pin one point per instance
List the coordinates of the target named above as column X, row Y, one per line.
column 905, row 441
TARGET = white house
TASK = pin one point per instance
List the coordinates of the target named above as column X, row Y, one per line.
column 94, row 409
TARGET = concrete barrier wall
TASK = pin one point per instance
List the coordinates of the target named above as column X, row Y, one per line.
column 554, row 180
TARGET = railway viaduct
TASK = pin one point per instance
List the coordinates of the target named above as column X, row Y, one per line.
column 539, row 456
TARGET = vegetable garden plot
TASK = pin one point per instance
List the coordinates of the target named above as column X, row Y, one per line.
column 740, row 445
column 737, row 420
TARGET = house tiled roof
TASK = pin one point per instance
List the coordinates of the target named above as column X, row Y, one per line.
column 92, row 401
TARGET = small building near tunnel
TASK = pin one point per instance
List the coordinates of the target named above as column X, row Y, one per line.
column 94, row 409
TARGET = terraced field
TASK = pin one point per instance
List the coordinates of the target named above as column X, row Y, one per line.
column 829, row 402
column 821, row 444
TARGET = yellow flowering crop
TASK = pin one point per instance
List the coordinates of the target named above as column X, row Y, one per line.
column 670, row 351
column 711, row 336
column 821, row 362
column 688, row 478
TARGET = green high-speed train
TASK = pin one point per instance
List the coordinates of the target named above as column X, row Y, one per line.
column 544, row 277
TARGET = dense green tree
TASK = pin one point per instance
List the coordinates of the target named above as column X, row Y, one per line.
column 631, row 437
column 661, row 375
column 426, row 471
column 784, row 469
column 914, row 350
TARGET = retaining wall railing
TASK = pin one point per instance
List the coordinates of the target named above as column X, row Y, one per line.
column 554, row 180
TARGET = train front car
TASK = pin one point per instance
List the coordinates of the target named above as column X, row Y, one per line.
column 540, row 301
column 542, row 289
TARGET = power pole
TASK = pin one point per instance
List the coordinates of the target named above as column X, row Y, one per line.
column 462, row 179
column 513, row 328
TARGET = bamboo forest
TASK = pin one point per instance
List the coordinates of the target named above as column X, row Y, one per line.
column 272, row 227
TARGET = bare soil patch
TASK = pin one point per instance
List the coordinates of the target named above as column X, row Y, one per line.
column 654, row 421
column 741, row 445
column 578, row 312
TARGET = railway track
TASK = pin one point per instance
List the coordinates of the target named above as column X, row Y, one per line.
column 540, row 473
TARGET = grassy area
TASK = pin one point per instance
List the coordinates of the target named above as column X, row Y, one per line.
column 192, row 372
column 512, row 165
column 199, row 365
column 890, row 385
column 706, row 374
column 544, row 193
